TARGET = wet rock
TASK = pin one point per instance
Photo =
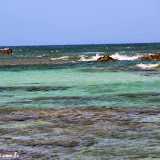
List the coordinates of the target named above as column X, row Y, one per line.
column 6, row 51
column 152, row 58
column 105, row 58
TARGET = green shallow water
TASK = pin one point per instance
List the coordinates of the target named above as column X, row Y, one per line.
column 76, row 87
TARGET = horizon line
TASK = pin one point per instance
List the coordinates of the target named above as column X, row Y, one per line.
column 81, row 44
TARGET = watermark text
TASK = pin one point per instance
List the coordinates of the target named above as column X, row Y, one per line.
column 9, row 155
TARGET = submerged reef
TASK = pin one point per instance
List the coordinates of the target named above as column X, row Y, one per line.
column 80, row 132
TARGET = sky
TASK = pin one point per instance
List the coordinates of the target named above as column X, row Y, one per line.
column 56, row 22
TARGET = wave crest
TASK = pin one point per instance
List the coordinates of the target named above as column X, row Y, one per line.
column 147, row 66
column 93, row 58
column 125, row 57
column 60, row 58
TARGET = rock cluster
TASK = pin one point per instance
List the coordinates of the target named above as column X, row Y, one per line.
column 152, row 58
column 6, row 51
column 105, row 58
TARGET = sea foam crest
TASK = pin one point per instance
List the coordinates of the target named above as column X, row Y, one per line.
column 40, row 56
column 125, row 57
column 60, row 58
column 93, row 58
column 147, row 66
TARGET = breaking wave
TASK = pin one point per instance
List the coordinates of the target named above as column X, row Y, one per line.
column 93, row 58
column 147, row 66
column 41, row 56
column 125, row 57
column 60, row 58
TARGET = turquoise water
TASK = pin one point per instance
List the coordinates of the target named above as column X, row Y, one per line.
column 75, row 79
column 58, row 103
column 77, row 87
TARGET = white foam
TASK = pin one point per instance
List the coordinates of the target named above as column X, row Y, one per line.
column 93, row 58
column 40, row 56
column 5, row 49
column 93, row 53
column 54, row 51
column 147, row 66
column 60, row 58
column 125, row 57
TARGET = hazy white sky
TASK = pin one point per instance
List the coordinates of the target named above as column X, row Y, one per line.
column 38, row 22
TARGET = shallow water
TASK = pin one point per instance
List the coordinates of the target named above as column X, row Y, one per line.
column 46, row 98
column 81, row 133
column 78, row 87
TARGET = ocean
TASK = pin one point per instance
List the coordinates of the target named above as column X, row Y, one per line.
column 47, row 92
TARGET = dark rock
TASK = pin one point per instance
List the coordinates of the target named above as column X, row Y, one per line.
column 6, row 51
column 152, row 58
column 105, row 58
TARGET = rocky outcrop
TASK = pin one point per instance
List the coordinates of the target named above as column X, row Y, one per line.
column 151, row 58
column 105, row 58
column 6, row 51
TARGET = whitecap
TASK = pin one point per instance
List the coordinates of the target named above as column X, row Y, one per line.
column 147, row 66
column 93, row 58
column 60, row 58
column 55, row 51
column 6, row 48
column 40, row 56
column 93, row 53
column 125, row 57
